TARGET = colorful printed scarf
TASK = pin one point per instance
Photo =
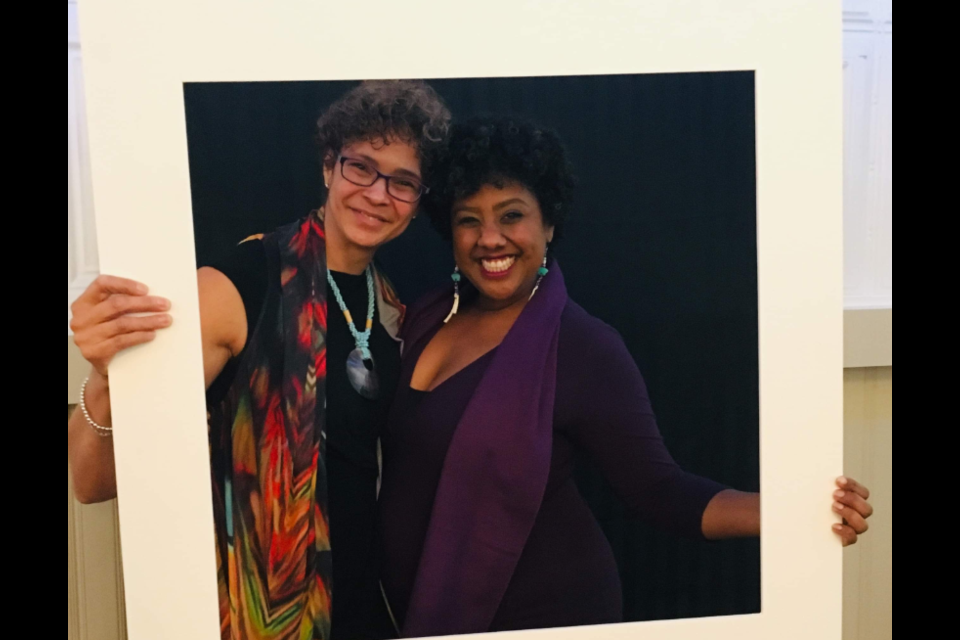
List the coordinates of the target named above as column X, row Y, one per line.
column 268, row 452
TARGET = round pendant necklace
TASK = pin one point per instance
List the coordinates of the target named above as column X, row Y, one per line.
column 360, row 369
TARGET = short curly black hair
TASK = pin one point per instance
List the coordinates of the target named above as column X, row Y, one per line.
column 497, row 150
column 410, row 111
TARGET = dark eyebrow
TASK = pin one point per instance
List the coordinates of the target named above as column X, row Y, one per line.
column 409, row 174
column 505, row 203
column 399, row 172
column 462, row 209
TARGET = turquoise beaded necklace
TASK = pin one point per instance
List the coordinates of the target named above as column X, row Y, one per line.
column 360, row 366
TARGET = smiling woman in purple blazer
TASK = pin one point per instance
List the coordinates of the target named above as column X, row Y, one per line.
column 503, row 379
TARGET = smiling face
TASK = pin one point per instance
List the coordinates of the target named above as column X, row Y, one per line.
column 499, row 241
column 364, row 218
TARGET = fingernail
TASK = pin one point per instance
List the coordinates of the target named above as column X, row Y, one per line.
column 838, row 527
column 837, row 506
column 842, row 480
column 838, row 494
column 141, row 288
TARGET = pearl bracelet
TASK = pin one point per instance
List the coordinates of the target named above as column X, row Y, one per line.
column 101, row 430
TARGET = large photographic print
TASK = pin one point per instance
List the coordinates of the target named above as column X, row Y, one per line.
column 659, row 243
column 494, row 321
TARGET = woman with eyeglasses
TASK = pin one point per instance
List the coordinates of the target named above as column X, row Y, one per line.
column 504, row 380
column 301, row 357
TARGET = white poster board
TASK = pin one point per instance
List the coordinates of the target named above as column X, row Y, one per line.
column 137, row 57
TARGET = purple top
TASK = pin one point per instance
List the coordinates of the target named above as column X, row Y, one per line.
column 482, row 528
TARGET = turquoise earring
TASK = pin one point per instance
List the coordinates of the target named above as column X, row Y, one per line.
column 542, row 271
column 455, row 276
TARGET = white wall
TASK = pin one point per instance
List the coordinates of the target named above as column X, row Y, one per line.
column 868, row 153
column 81, row 230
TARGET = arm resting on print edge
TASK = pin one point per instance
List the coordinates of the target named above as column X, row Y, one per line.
column 615, row 424
column 103, row 326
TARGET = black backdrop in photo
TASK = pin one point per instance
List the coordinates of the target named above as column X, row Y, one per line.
column 661, row 245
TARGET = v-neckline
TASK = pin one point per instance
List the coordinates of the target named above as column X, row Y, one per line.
column 425, row 341
column 470, row 365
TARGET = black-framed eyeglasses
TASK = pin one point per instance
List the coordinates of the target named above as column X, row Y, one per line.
column 403, row 188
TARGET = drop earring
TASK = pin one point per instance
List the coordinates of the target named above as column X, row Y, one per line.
column 455, row 276
column 542, row 271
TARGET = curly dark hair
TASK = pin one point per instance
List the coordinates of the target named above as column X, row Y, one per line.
column 492, row 150
column 406, row 110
